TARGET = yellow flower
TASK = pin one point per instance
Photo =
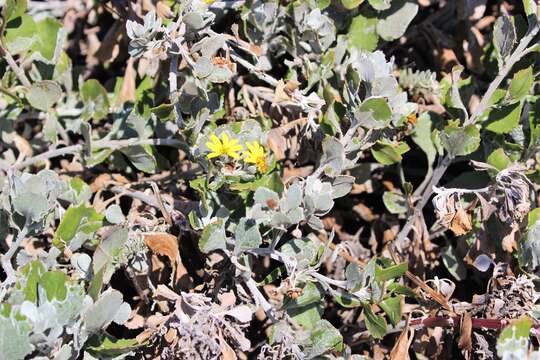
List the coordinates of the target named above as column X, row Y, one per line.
column 225, row 146
column 256, row 155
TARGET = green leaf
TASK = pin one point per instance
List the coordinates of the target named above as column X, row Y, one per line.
column 54, row 283
column 392, row 307
column 46, row 36
column 44, row 94
column 375, row 113
column 422, row 136
column 504, row 36
column 504, row 119
column 76, row 219
column 142, row 157
column 20, row 34
column 375, row 324
column 13, row 9
column 96, row 101
column 110, row 347
column 460, row 140
column 380, row 4
column 521, row 83
column 32, row 271
column 392, row 272
column 14, row 339
column 395, row 202
column 247, row 235
column 213, row 237
column 311, row 293
column 350, row 4
column 393, row 22
column 324, row 338
column 114, row 214
column 363, row 33
column 389, row 153
column 499, row 159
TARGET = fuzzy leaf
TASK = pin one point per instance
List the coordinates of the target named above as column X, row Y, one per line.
column 96, row 101
column 395, row 202
column 44, row 94
column 504, row 36
column 324, row 338
column 394, row 21
column 375, row 324
column 213, row 237
column 460, row 141
column 521, row 83
column 363, row 33
column 247, row 235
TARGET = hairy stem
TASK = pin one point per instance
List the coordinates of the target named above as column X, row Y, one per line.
column 101, row 144
column 16, row 68
column 518, row 53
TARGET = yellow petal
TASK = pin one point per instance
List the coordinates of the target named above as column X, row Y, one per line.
column 233, row 154
column 212, row 155
column 215, row 139
column 236, row 147
column 213, row 146
column 225, row 138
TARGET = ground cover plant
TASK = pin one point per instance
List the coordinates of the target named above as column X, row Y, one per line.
column 247, row 179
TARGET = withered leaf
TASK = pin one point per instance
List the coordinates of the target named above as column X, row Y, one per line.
column 400, row 351
column 461, row 222
column 162, row 243
column 465, row 341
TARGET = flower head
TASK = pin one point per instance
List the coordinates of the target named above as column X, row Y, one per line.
column 256, row 155
column 225, row 146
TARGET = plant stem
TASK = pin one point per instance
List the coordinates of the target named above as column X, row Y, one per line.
column 6, row 258
column 13, row 65
column 173, row 88
column 101, row 144
column 520, row 51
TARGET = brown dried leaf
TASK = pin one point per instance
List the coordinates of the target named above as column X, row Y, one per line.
column 23, row 146
column 509, row 241
column 461, row 222
column 227, row 352
column 465, row 341
column 280, row 94
column 109, row 49
column 163, row 10
column 127, row 92
column 162, row 243
column 400, row 351
column 170, row 335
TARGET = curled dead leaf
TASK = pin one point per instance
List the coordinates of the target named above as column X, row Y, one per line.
column 461, row 222
column 162, row 243
column 127, row 92
column 400, row 351
column 465, row 341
